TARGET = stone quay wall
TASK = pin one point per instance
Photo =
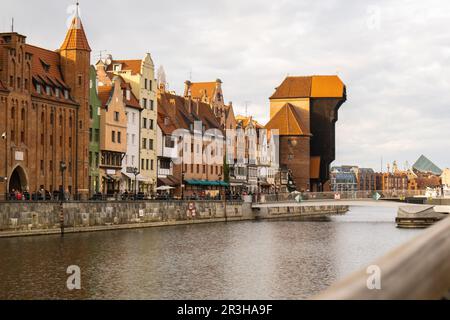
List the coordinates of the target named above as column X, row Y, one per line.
column 35, row 218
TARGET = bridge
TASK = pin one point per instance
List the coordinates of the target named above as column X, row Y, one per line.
column 343, row 202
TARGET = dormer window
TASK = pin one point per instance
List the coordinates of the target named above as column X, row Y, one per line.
column 117, row 67
column 45, row 65
column 166, row 121
column 57, row 92
column 38, row 88
column 128, row 94
column 47, row 90
column 66, row 94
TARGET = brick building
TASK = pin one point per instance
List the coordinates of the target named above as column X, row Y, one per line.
column 44, row 113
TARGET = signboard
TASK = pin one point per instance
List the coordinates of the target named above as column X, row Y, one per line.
column 130, row 170
column 110, row 171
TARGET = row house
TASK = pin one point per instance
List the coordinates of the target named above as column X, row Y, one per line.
column 190, row 130
column 140, row 74
column 113, row 136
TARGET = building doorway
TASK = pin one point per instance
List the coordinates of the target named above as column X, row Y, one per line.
column 18, row 180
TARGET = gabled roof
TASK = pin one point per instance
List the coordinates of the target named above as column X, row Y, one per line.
column 199, row 89
column 104, row 94
column 423, row 164
column 310, row 87
column 245, row 121
column 288, row 122
column 176, row 108
column 76, row 37
column 46, row 65
column 132, row 65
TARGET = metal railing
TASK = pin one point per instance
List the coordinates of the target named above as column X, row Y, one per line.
column 418, row 269
column 354, row 195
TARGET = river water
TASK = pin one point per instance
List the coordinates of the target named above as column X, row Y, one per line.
column 238, row 260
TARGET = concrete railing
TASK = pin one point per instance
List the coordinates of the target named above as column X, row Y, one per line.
column 418, row 269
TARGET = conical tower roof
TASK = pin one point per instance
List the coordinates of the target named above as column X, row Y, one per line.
column 76, row 37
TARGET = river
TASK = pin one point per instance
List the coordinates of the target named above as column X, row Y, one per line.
column 237, row 260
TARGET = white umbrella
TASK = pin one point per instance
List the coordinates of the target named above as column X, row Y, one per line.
column 164, row 188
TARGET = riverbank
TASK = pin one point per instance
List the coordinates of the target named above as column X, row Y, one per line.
column 43, row 218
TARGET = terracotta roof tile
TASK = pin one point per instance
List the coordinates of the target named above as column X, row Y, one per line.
column 76, row 37
column 133, row 65
column 104, row 94
column 310, row 87
column 288, row 122
column 198, row 89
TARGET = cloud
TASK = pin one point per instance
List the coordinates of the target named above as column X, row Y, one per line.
column 394, row 58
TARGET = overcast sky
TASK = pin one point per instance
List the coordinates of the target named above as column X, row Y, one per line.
column 393, row 56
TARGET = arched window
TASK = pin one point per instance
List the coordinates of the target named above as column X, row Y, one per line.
column 23, row 114
column 13, row 112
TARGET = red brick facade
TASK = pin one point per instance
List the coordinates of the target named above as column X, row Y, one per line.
column 44, row 103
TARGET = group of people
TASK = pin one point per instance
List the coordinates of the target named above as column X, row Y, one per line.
column 39, row 195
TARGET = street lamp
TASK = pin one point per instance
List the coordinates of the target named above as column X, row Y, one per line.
column 63, row 167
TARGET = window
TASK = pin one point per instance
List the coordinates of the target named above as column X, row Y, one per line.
column 119, row 137
column 51, row 166
column 142, row 163
column 42, row 139
column 198, row 168
column 133, row 136
column 80, row 80
column 128, row 94
column 150, row 144
column 66, row 94
column 116, row 116
column 56, row 91
column 192, row 168
column 144, row 123
column 151, row 105
column 47, row 90
column 22, row 136
column 151, row 164
column 146, row 164
column 19, row 83
column 113, row 136
column 150, row 85
column 132, row 160
column 97, row 135
column 144, row 143
column 90, row 135
column 151, row 124
column 38, row 88
column 144, row 103
column 145, row 83
column 90, row 158
column 51, row 140
column 42, row 166
column 90, row 112
column 133, row 118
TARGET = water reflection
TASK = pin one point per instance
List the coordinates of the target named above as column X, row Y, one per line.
column 246, row 260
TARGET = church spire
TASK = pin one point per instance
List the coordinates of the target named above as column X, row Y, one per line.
column 76, row 37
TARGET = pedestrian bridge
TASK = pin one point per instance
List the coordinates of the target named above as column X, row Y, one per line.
column 330, row 202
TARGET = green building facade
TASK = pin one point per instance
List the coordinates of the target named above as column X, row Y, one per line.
column 94, row 133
